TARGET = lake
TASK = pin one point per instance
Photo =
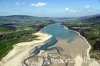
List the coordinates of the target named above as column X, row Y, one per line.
column 58, row 31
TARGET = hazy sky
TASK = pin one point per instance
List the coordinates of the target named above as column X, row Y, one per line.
column 52, row 8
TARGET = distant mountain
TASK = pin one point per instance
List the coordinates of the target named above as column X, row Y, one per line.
column 17, row 18
column 91, row 19
column 23, row 18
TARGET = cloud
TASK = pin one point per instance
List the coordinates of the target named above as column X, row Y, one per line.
column 39, row 4
column 70, row 10
column 87, row 7
column 67, row 9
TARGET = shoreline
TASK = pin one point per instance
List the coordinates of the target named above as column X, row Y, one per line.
column 81, row 37
column 21, row 50
column 94, row 62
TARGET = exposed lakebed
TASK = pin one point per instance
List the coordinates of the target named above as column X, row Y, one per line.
column 64, row 44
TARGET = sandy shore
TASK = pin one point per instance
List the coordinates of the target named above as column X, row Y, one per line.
column 94, row 62
column 76, row 51
column 21, row 51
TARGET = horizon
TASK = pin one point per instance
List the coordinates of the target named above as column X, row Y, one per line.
column 50, row 16
column 48, row 8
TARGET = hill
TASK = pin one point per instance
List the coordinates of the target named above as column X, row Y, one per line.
column 17, row 18
column 91, row 19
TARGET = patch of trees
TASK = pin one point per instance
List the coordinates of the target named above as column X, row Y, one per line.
column 97, row 45
column 15, row 35
column 9, row 26
column 39, row 26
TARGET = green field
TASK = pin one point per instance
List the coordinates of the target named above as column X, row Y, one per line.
column 3, row 29
column 8, row 40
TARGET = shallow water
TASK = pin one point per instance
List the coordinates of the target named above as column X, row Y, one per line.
column 58, row 31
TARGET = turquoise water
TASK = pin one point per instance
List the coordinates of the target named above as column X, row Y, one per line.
column 58, row 31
